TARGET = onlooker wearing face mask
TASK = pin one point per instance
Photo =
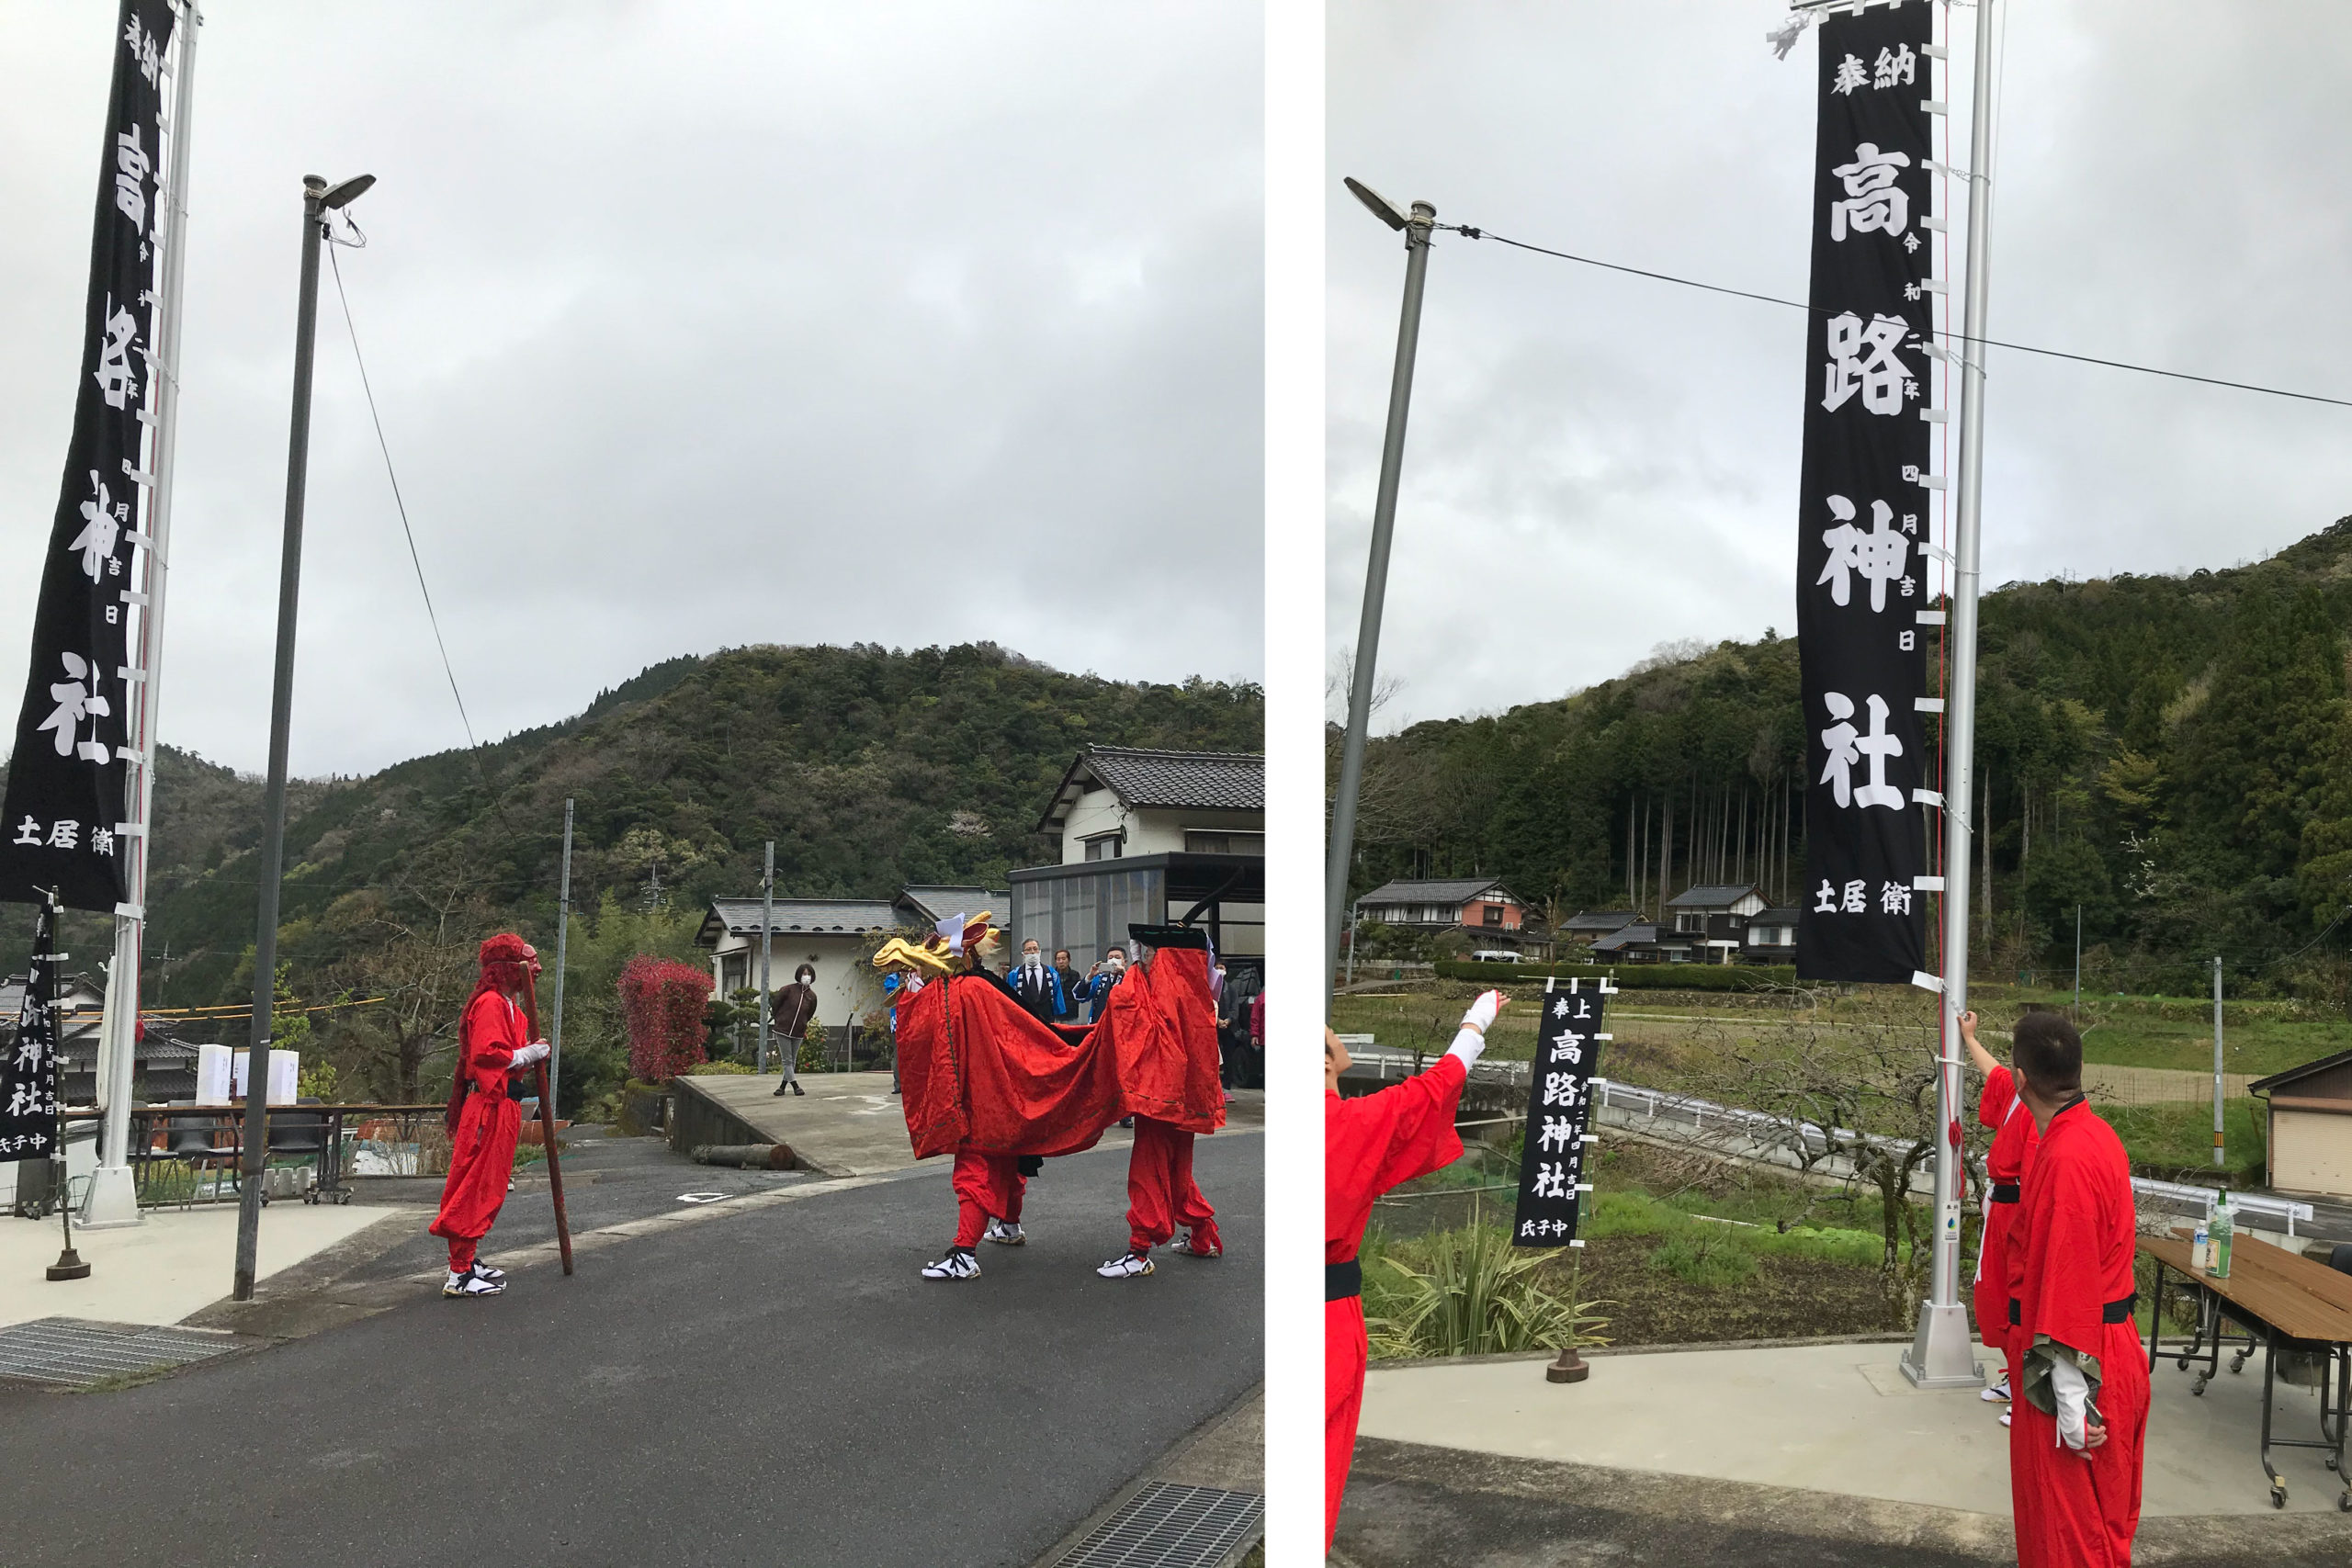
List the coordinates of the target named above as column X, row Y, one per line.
column 790, row 1012
column 1037, row 988
column 1107, row 973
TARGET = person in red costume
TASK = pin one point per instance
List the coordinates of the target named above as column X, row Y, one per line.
column 492, row 1044
column 2081, row 1377
column 2011, row 1155
column 1161, row 1196
column 1370, row 1144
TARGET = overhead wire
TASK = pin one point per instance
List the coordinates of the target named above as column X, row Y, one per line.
column 1468, row 232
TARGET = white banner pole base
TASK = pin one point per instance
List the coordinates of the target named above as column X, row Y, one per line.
column 112, row 1200
column 1942, row 1354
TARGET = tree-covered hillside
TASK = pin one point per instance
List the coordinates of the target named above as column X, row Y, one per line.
column 2173, row 754
column 870, row 767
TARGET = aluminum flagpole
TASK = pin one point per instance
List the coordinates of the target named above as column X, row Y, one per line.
column 113, row 1196
column 1942, row 1355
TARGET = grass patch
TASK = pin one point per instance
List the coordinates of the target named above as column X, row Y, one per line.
column 115, row 1382
column 2174, row 1141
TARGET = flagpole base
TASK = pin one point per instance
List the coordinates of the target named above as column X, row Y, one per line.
column 69, row 1266
column 1569, row 1367
column 1942, row 1354
column 112, row 1202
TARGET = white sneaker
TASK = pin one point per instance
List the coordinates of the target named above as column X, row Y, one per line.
column 2005, row 1417
column 1184, row 1245
column 957, row 1264
column 1007, row 1232
column 495, row 1276
column 1126, row 1266
column 1998, row 1392
column 470, row 1284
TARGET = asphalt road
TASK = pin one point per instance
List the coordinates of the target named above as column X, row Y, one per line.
column 773, row 1387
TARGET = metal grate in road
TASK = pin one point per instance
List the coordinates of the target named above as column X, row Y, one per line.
column 74, row 1353
column 1173, row 1527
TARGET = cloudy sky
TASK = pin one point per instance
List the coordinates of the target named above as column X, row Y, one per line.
column 692, row 325
column 1599, row 464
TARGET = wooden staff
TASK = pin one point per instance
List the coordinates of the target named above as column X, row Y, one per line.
column 547, row 1118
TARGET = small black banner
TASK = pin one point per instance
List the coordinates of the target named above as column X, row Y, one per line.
column 67, row 776
column 28, row 1128
column 1865, row 617
column 1559, row 1107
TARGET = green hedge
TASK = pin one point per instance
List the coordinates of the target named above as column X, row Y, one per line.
column 1630, row 976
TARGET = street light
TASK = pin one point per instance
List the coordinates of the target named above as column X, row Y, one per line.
column 1416, row 227
column 318, row 199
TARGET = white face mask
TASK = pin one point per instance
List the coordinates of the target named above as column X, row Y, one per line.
column 1033, row 960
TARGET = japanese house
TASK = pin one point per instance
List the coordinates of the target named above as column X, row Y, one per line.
column 1481, row 908
column 1710, row 920
column 1151, row 838
column 1587, row 927
column 837, row 936
column 1770, row 936
column 2309, row 1139
column 1636, row 944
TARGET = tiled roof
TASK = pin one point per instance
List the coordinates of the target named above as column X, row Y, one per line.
column 936, row 904
column 1200, row 781
column 1601, row 920
column 1716, row 896
column 1628, row 937
column 846, row 916
column 1785, row 916
column 1458, row 890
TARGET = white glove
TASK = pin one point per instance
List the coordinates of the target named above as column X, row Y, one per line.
column 1472, row 1040
column 530, row 1053
column 2072, row 1392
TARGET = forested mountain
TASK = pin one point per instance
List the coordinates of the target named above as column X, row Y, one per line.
column 2173, row 754
column 870, row 767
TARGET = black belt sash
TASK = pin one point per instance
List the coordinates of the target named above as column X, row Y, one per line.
column 2108, row 1311
column 2005, row 1192
column 1341, row 1280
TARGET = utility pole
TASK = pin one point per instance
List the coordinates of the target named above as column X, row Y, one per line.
column 767, row 932
column 2217, row 1063
column 2078, row 963
column 1416, row 227
column 1941, row 1354
column 318, row 200
column 562, row 940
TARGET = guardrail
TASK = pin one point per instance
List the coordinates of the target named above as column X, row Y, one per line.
column 1762, row 1127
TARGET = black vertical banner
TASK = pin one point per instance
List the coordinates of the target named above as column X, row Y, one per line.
column 1559, row 1109
column 67, row 775
column 28, row 1127
column 1862, row 534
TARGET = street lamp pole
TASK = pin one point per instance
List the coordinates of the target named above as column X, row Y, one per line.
column 1416, row 227
column 318, row 200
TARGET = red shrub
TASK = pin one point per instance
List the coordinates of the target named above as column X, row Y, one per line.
column 662, row 1003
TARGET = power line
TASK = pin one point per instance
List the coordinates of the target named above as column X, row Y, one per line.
column 1471, row 233
column 382, row 446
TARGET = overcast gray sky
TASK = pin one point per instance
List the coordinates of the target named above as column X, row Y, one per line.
column 692, row 325
column 1598, row 463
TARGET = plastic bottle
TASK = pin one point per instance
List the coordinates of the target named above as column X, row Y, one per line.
column 2201, row 1245
column 2222, row 1228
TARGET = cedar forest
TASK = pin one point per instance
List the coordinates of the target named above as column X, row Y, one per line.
column 2173, row 754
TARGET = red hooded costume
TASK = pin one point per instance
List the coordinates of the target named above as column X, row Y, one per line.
column 2071, row 1271
column 2011, row 1155
column 1370, row 1144
column 489, row 1121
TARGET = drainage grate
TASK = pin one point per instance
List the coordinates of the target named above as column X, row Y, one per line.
column 75, row 1353
column 1173, row 1527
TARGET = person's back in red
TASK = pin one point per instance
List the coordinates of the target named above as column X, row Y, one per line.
column 2076, row 1445
column 1371, row 1143
column 492, row 1042
column 2006, row 1163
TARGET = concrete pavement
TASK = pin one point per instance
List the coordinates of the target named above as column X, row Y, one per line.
column 1816, row 1440
column 773, row 1384
column 169, row 1265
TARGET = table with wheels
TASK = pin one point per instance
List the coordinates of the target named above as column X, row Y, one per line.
column 2276, row 1302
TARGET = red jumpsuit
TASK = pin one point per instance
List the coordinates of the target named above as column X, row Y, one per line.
column 2011, row 1155
column 2071, row 1271
column 1370, row 1144
column 481, row 1151
column 986, row 1185
column 1161, row 1194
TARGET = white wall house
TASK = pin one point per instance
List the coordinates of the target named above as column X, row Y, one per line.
column 1147, row 837
column 837, row 936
